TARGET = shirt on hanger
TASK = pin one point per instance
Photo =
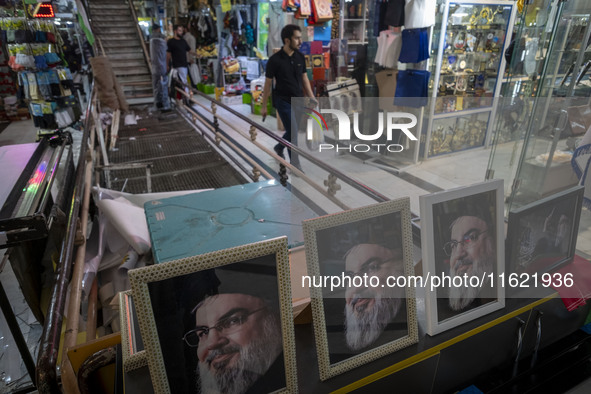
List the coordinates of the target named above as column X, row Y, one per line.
column 419, row 13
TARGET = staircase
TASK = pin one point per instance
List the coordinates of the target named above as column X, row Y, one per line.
column 112, row 22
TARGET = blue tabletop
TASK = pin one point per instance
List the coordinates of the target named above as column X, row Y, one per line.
column 204, row 222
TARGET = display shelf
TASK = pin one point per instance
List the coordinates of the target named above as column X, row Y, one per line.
column 471, row 40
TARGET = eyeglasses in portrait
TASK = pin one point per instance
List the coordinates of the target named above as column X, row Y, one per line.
column 365, row 317
column 462, row 238
column 220, row 322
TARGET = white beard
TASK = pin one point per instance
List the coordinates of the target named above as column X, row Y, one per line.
column 253, row 362
column 362, row 328
column 461, row 297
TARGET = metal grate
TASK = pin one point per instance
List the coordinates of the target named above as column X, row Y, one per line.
column 181, row 158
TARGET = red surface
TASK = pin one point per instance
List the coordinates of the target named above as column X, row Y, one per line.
column 577, row 294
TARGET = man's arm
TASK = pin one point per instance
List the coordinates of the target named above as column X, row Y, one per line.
column 266, row 93
column 168, row 57
column 308, row 88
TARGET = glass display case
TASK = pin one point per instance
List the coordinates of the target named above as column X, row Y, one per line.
column 549, row 126
column 469, row 40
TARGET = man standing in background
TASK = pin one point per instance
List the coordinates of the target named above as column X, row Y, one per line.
column 192, row 42
column 159, row 70
column 177, row 53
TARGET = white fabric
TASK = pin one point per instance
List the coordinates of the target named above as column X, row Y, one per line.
column 389, row 45
column 195, row 73
column 419, row 13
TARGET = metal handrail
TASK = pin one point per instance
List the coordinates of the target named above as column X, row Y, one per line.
column 47, row 381
column 140, row 35
column 331, row 170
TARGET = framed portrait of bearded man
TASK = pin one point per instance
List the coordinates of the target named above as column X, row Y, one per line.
column 363, row 307
column 463, row 250
column 219, row 322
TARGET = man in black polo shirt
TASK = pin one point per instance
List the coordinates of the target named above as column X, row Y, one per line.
column 288, row 68
column 176, row 51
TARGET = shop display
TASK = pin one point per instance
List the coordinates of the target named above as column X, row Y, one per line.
column 462, row 236
column 472, row 40
column 458, row 133
column 243, row 290
column 44, row 83
column 353, row 24
column 542, row 236
column 371, row 241
column 345, row 96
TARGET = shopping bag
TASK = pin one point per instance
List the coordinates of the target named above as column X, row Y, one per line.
column 412, row 87
column 415, row 46
column 195, row 73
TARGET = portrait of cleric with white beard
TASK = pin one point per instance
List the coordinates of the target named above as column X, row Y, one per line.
column 360, row 317
column 222, row 334
column 467, row 248
column 369, row 310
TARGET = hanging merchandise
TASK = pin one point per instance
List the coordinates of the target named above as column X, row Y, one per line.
column 415, row 45
column 412, row 88
column 321, row 12
column 305, row 10
column 394, row 16
column 419, row 13
column 389, row 46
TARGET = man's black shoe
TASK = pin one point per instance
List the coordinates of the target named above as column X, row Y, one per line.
column 279, row 151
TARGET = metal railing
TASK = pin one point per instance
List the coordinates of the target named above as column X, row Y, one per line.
column 47, row 377
column 331, row 186
column 140, row 35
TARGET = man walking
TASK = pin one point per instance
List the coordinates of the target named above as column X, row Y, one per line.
column 159, row 74
column 177, row 52
column 288, row 68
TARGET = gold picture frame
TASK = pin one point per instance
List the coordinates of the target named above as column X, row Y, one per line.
column 132, row 357
column 378, row 238
column 201, row 287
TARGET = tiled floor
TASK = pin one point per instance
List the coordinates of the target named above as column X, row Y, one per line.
column 445, row 172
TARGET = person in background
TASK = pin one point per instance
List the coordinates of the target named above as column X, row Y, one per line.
column 287, row 68
column 192, row 42
column 177, row 53
column 159, row 70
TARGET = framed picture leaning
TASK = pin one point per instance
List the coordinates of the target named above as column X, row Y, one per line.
column 371, row 311
column 220, row 321
column 462, row 242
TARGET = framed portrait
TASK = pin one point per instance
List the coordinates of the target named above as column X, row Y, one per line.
column 220, row 321
column 132, row 346
column 462, row 238
column 542, row 236
column 362, row 306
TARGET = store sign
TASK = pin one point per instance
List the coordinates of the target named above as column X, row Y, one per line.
column 41, row 10
column 393, row 121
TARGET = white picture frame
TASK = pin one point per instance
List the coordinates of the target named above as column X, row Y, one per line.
column 438, row 212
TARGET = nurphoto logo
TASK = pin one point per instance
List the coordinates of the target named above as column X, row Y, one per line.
column 402, row 121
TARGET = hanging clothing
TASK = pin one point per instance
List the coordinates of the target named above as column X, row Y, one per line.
column 395, row 13
column 419, row 13
column 389, row 45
